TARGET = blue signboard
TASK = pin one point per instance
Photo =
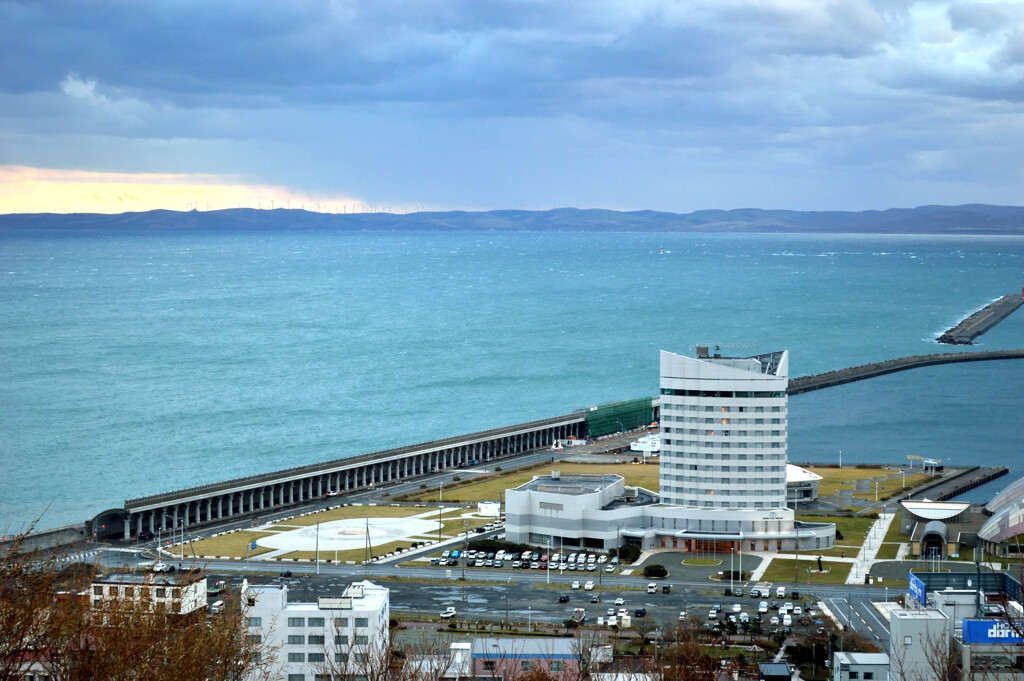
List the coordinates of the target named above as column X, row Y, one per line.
column 990, row 631
column 917, row 589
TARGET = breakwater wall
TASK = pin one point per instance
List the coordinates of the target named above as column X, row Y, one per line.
column 805, row 384
column 981, row 321
column 954, row 485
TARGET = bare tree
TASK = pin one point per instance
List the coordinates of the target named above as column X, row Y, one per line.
column 48, row 625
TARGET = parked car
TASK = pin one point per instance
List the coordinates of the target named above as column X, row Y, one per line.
column 640, row 612
column 564, row 598
column 620, row 601
column 589, row 586
column 575, row 586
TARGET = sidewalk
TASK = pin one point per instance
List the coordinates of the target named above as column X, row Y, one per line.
column 872, row 543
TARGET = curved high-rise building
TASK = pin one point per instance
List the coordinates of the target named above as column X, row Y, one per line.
column 723, row 425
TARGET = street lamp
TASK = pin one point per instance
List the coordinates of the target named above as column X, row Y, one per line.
column 440, row 492
column 732, row 552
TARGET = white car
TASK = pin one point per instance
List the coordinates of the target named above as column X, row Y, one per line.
column 762, row 607
column 589, row 586
column 737, row 607
column 623, row 613
column 332, row 493
column 774, row 621
column 610, row 568
column 712, row 614
column 611, row 611
column 602, row 559
column 797, row 611
column 576, row 586
column 448, row 614
column 620, row 601
column 682, row 615
column 611, row 621
column 161, row 567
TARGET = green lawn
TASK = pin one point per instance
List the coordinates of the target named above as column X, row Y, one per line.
column 492, row 487
column 834, row 479
column 888, row 551
column 854, row 530
column 230, row 545
column 784, row 570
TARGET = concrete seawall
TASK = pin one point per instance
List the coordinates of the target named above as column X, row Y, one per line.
column 981, row 321
column 817, row 381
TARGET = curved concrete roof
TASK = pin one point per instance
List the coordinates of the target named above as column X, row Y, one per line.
column 935, row 527
column 935, row 510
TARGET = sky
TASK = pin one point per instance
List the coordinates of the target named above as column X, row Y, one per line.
column 405, row 105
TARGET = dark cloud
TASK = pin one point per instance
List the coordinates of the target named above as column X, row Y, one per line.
column 564, row 94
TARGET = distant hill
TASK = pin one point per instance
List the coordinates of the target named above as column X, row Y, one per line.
column 968, row 219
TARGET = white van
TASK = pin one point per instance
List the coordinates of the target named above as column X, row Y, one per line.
column 787, row 620
column 217, row 607
column 572, row 558
column 652, row 588
column 780, row 592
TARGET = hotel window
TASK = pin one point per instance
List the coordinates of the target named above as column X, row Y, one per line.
column 316, row 639
column 296, row 639
column 362, row 622
column 341, row 657
column 709, row 408
column 362, row 640
column 255, row 621
column 254, row 638
column 558, row 666
column 296, row 677
column 316, row 621
column 316, row 657
column 489, row 666
column 341, row 622
column 296, row 621
column 527, row 664
column 296, row 657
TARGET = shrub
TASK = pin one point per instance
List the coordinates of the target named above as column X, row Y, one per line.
column 456, row 478
column 423, row 485
column 655, row 571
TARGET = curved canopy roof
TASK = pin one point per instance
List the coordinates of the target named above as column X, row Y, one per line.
column 1012, row 492
column 935, row 510
column 1006, row 524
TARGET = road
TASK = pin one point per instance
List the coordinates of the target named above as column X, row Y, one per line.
column 428, row 590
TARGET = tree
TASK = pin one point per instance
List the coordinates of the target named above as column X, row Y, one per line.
column 643, row 626
column 48, row 626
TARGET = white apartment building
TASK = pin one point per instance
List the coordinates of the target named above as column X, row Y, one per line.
column 723, row 425
column 336, row 636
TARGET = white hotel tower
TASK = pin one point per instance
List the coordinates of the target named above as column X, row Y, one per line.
column 724, row 430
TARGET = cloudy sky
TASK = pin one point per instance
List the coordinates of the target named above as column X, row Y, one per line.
column 110, row 105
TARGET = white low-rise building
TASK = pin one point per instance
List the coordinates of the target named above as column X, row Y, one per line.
column 346, row 635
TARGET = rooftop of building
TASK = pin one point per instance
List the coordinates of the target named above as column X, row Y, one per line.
column 573, row 485
column 528, row 648
column 862, row 658
column 151, row 578
column 935, row 510
column 795, row 474
column 769, row 362
column 917, row 614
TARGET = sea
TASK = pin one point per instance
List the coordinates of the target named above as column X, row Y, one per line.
column 138, row 363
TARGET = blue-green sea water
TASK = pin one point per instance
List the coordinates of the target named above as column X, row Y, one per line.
column 135, row 364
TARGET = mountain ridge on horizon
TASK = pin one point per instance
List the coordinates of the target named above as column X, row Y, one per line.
column 968, row 219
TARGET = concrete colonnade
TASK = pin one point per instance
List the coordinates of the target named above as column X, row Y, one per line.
column 227, row 503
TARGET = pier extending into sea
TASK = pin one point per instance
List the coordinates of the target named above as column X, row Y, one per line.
column 981, row 321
